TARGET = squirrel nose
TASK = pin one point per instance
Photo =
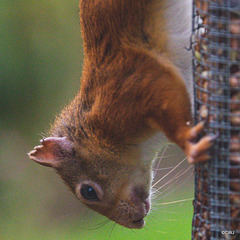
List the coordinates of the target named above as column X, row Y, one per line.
column 140, row 195
column 147, row 205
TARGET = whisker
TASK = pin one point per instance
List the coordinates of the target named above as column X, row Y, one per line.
column 169, row 181
column 165, row 190
column 161, row 169
column 101, row 224
column 116, row 215
column 156, row 193
column 176, row 201
column 160, row 232
column 178, row 175
column 96, row 226
column 111, row 228
column 170, row 219
column 153, row 219
column 162, row 153
column 171, row 212
column 177, row 186
column 169, row 172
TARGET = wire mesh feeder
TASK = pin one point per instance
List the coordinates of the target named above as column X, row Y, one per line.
column 216, row 70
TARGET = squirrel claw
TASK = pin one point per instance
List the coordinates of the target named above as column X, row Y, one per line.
column 197, row 151
column 194, row 132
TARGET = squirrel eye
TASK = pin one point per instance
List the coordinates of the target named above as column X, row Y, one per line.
column 88, row 193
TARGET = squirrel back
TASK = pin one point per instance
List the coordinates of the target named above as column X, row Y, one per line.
column 159, row 26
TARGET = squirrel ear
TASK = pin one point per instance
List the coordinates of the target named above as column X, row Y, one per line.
column 50, row 151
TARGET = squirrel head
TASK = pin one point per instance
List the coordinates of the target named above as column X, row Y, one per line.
column 113, row 182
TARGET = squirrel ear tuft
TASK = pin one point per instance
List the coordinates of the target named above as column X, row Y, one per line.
column 50, row 151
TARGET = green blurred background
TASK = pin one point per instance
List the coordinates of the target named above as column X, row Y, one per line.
column 40, row 68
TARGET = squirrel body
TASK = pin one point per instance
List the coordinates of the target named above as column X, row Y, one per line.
column 132, row 88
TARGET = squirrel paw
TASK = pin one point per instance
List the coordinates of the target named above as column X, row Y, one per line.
column 197, row 151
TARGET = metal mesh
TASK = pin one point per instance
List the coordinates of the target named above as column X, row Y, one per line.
column 216, row 70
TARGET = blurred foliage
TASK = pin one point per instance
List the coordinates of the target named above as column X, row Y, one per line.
column 40, row 56
column 40, row 69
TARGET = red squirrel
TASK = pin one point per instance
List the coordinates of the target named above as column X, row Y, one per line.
column 133, row 87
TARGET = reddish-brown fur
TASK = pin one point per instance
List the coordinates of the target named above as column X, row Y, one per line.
column 127, row 92
column 130, row 90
